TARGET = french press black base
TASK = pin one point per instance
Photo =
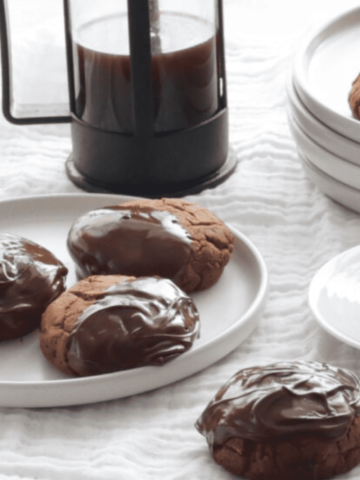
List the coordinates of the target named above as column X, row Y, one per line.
column 165, row 190
column 172, row 164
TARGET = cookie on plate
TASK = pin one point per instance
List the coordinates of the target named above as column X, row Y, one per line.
column 30, row 278
column 108, row 323
column 297, row 421
column 170, row 238
column 354, row 97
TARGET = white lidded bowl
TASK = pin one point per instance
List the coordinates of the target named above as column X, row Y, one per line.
column 338, row 191
column 325, row 66
column 319, row 132
column 345, row 172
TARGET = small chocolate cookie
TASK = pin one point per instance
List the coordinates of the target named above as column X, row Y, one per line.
column 297, row 421
column 30, row 278
column 108, row 323
column 169, row 238
column 354, row 97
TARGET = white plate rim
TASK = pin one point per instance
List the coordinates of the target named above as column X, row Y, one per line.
column 312, row 300
column 227, row 339
column 347, row 126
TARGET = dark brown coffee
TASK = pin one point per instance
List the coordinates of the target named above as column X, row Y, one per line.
column 184, row 83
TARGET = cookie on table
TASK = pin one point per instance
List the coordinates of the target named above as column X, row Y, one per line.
column 297, row 421
column 354, row 97
column 170, row 238
column 30, row 278
column 108, row 323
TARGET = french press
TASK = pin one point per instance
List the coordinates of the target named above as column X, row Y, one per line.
column 147, row 95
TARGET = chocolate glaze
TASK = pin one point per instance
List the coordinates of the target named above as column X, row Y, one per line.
column 283, row 400
column 138, row 242
column 146, row 321
column 30, row 278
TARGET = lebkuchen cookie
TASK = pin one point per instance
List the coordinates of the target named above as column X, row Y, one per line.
column 297, row 421
column 170, row 238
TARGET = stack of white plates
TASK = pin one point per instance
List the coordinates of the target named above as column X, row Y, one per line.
column 320, row 118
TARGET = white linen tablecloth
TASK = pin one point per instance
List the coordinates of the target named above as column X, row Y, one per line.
column 269, row 198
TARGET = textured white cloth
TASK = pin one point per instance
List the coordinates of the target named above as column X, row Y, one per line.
column 269, row 198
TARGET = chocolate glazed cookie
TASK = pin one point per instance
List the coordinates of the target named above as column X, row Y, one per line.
column 110, row 323
column 169, row 238
column 354, row 97
column 297, row 421
column 30, row 278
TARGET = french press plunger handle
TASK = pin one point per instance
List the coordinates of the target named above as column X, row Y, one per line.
column 7, row 93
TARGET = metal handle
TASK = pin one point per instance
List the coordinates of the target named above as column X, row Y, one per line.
column 7, row 94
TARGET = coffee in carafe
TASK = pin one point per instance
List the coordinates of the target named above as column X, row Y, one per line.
column 184, row 80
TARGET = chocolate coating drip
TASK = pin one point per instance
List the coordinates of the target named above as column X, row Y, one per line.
column 30, row 278
column 147, row 321
column 283, row 400
column 117, row 240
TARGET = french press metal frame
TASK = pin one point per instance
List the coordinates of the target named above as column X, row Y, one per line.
column 144, row 163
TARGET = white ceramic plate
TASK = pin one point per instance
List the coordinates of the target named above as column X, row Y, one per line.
column 338, row 191
column 228, row 311
column 327, row 138
column 334, row 297
column 325, row 65
column 338, row 168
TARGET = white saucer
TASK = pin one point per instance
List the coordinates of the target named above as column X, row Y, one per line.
column 338, row 191
column 334, row 297
column 345, row 172
column 325, row 65
column 321, row 133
